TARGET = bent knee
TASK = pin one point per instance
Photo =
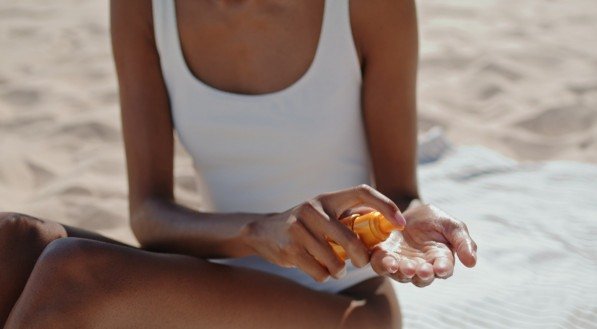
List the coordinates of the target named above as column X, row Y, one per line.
column 70, row 258
column 79, row 266
column 378, row 305
column 59, row 286
column 28, row 232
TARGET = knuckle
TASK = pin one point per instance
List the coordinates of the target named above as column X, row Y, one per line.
column 295, row 228
column 321, row 197
column 462, row 225
column 335, row 266
column 306, row 208
column 320, row 277
column 310, row 206
column 453, row 225
column 361, row 260
column 292, row 250
column 364, row 188
column 285, row 252
column 458, row 224
column 355, row 246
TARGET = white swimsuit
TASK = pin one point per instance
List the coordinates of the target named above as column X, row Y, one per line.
column 269, row 152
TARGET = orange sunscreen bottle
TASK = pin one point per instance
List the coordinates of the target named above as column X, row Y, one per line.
column 371, row 228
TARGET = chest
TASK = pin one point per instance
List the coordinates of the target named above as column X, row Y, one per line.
column 247, row 48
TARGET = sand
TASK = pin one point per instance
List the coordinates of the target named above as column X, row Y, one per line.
column 519, row 77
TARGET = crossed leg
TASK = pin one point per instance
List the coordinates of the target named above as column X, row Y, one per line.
column 22, row 240
column 84, row 283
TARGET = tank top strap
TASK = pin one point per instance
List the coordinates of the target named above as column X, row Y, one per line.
column 336, row 24
column 338, row 47
column 166, row 33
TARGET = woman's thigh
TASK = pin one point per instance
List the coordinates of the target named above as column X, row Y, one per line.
column 79, row 282
column 22, row 240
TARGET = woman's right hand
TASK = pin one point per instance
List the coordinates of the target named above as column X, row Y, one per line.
column 299, row 236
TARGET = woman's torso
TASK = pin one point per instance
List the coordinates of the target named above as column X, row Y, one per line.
column 267, row 102
column 248, row 49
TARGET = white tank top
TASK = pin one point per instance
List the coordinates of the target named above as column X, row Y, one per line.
column 269, row 152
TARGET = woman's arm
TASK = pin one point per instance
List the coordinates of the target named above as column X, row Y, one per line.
column 387, row 39
column 157, row 221
column 386, row 36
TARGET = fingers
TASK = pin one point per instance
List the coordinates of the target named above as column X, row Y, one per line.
column 404, row 270
column 320, row 225
column 408, row 268
column 384, row 263
column 464, row 246
column 424, row 275
column 389, row 264
column 308, row 264
column 443, row 267
column 363, row 195
column 420, row 273
column 321, row 251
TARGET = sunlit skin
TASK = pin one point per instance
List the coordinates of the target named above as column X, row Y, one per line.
column 69, row 278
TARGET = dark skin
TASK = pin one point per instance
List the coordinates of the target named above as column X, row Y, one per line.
column 248, row 47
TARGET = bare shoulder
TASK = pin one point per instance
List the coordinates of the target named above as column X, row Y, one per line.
column 383, row 24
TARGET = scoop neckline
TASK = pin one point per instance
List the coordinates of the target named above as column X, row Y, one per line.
column 234, row 95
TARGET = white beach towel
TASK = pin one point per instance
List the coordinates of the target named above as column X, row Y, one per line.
column 536, row 227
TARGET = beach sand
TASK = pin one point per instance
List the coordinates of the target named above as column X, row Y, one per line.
column 519, row 77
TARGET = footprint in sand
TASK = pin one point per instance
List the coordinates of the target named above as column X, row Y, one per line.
column 23, row 97
column 23, row 32
column 583, row 87
column 90, row 215
column 560, row 121
column 496, row 69
column 41, row 174
column 89, row 130
column 489, row 90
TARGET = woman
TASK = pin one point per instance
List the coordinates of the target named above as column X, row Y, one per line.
column 290, row 110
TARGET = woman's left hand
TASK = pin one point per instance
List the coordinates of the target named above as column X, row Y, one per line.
column 425, row 249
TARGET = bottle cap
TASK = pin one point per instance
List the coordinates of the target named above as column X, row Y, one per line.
column 384, row 224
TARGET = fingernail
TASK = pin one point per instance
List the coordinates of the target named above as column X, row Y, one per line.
column 400, row 219
column 391, row 264
column 341, row 274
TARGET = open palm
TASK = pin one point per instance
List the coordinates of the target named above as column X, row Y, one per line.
column 425, row 249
